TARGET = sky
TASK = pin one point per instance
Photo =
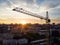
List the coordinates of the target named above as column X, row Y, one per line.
column 36, row 6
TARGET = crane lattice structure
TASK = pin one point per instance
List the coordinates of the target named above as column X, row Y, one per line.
column 21, row 10
column 32, row 14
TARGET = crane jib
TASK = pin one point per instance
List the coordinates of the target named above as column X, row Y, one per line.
column 30, row 13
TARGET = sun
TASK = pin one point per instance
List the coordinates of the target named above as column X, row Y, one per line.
column 23, row 22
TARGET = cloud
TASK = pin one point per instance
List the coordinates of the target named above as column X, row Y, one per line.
column 36, row 6
column 33, row 3
column 50, row 3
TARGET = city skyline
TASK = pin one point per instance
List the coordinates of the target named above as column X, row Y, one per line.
column 35, row 6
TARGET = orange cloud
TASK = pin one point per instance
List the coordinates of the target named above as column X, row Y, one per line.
column 12, row 20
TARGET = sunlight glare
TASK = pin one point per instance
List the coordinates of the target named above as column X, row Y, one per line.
column 23, row 22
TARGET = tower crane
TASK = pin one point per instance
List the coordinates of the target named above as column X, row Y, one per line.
column 21, row 10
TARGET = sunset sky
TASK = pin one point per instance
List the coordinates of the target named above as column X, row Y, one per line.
column 36, row 6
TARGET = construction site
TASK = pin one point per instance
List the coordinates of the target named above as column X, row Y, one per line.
column 30, row 34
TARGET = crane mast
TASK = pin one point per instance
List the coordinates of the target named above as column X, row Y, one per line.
column 38, row 16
